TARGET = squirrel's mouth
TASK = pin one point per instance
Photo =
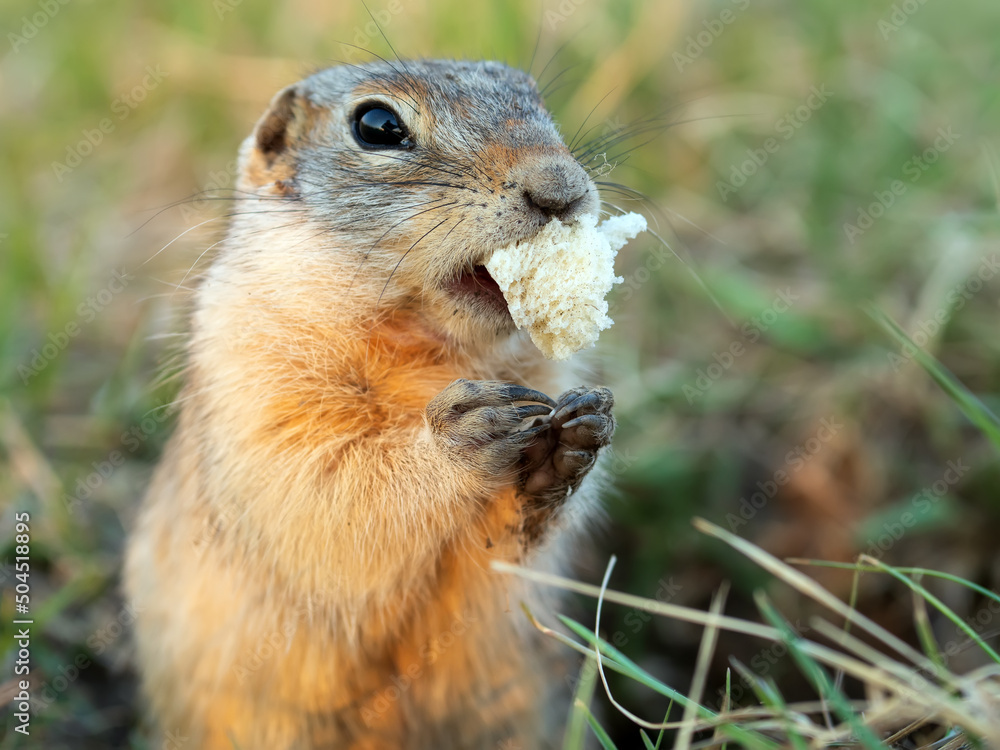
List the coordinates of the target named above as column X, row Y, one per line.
column 478, row 286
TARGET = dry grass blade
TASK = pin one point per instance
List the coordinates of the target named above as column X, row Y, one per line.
column 938, row 604
column 904, row 694
column 918, row 692
column 835, row 659
column 709, row 638
column 726, row 706
column 901, row 699
column 813, row 590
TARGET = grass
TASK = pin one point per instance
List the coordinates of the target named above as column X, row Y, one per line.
column 909, row 701
column 754, row 386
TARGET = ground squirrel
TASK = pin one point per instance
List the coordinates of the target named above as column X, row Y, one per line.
column 363, row 430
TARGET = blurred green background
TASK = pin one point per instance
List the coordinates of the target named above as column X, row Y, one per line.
column 813, row 158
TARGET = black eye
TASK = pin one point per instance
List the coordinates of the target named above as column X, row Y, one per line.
column 378, row 127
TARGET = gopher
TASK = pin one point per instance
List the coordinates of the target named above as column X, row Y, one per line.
column 363, row 430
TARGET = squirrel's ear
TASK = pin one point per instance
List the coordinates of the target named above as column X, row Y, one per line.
column 271, row 133
column 285, row 125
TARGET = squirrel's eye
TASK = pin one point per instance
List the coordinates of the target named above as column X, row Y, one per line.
column 378, row 127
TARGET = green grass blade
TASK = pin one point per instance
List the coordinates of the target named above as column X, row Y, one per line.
column 768, row 694
column 622, row 664
column 943, row 609
column 910, row 571
column 576, row 727
column 925, row 632
column 818, row 677
column 659, row 737
column 628, row 668
column 728, row 702
column 598, row 730
column 977, row 412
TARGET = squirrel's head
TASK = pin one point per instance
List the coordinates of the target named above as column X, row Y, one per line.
column 409, row 175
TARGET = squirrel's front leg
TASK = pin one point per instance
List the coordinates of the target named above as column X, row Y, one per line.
column 544, row 448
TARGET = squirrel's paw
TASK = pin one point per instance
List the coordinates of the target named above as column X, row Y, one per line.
column 559, row 458
column 478, row 422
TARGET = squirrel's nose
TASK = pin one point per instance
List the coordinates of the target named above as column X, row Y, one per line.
column 559, row 190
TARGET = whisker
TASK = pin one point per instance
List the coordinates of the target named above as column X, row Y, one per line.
column 391, row 48
column 400, row 261
column 386, row 232
column 590, row 114
column 189, row 229
column 197, row 260
column 483, row 171
column 538, row 41
column 371, row 218
column 421, row 165
column 406, row 77
column 551, row 88
column 556, row 54
column 175, row 289
column 688, row 263
column 386, row 286
column 428, row 277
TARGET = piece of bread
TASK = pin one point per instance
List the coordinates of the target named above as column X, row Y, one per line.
column 555, row 283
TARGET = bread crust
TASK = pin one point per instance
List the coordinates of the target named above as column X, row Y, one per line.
column 312, row 557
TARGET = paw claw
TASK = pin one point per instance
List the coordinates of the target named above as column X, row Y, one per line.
column 530, row 432
column 575, row 404
column 594, row 421
column 534, row 410
column 572, row 463
column 581, row 425
column 488, row 424
column 520, row 393
column 596, row 400
column 505, row 429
